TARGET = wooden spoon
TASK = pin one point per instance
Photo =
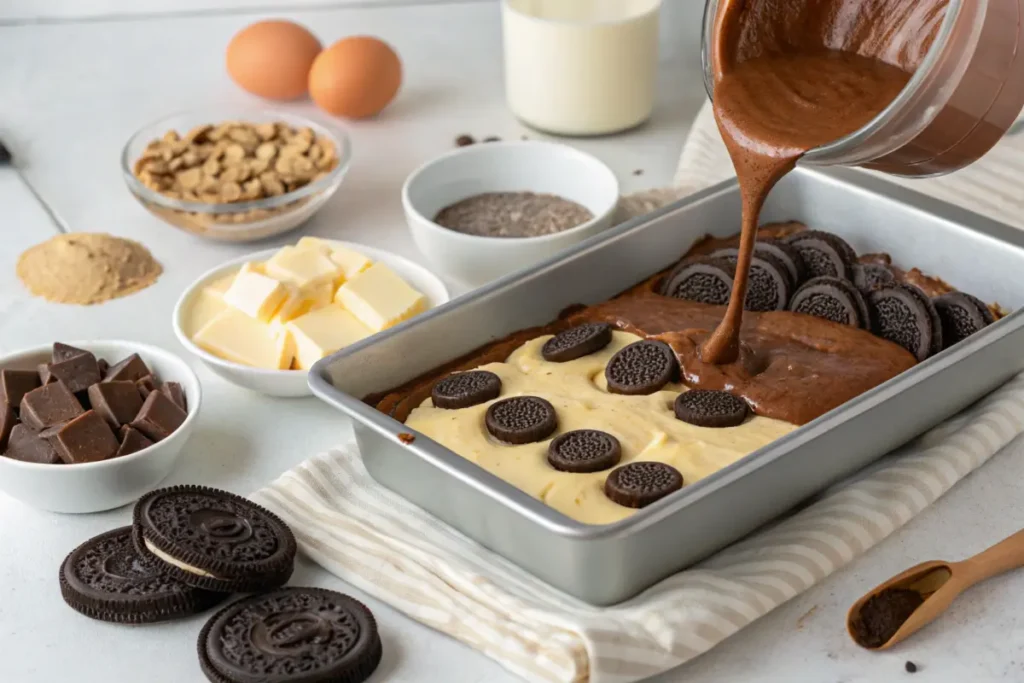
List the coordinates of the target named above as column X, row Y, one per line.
column 939, row 583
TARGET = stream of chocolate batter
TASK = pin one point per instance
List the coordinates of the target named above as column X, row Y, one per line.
column 782, row 90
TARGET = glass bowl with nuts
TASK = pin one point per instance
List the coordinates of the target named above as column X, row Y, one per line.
column 235, row 176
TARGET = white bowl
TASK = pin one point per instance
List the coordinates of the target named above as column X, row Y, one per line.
column 542, row 167
column 290, row 383
column 108, row 484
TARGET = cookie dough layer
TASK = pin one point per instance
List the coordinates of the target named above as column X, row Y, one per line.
column 645, row 425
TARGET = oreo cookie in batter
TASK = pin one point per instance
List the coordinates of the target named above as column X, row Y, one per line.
column 704, row 279
column 465, row 389
column 781, row 252
column 824, row 254
column 107, row 579
column 834, row 299
column 584, row 450
column 294, row 635
column 213, row 539
column 867, row 277
column 577, row 342
column 639, row 484
column 521, row 419
column 905, row 315
column 641, row 368
column 711, row 408
column 961, row 315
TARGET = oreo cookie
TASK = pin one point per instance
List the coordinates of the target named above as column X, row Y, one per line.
column 783, row 253
column 584, row 450
column 961, row 315
column 905, row 315
column 710, row 408
column 824, row 254
column 295, row 635
column 834, row 299
column 105, row 578
column 641, row 368
column 213, row 539
column 465, row 389
column 521, row 419
column 704, row 279
column 577, row 342
column 867, row 277
column 639, row 484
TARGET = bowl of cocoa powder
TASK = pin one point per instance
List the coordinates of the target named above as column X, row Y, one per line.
column 484, row 211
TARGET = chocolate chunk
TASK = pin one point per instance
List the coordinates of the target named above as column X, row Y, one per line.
column 158, row 417
column 584, row 450
column 176, row 393
column 116, row 402
column 87, row 438
column 883, row 614
column 704, row 279
column 639, row 484
column 107, row 579
column 8, row 420
column 78, row 372
column 824, row 253
column 45, row 376
column 131, row 369
column 236, row 545
column 834, row 299
column 104, row 366
column 905, row 315
column 641, row 368
column 146, row 386
column 577, row 342
column 465, row 389
column 521, row 419
column 867, row 277
column 961, row 316
column 711, row 408
column 63, row 352
column 296, row 635
column 27, row 446
column 14, row 384
column 132, row 440
column 49, row 405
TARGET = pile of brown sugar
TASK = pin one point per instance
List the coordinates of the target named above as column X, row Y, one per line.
column 87, row 268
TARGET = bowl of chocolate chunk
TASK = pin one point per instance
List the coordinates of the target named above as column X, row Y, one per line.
column 91, row 426
column 484, row 211
column 263, row 320
column 235, row 176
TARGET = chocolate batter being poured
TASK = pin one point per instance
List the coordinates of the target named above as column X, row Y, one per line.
column 792, row 75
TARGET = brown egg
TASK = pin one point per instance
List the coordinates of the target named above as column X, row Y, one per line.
column 272, row 59
column 356, row 77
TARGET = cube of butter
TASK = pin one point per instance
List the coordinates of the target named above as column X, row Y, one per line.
column 314, row 243
column 351, row 262
column 256, row 295
column 237, row 337
column 302, row 267
column 300, row 302
column 207, row 304
column 380, row 298
column 322, row 332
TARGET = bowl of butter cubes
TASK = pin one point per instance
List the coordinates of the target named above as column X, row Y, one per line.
column 263, row 320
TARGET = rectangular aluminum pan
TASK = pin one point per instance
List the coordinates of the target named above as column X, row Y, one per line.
column 607, row 564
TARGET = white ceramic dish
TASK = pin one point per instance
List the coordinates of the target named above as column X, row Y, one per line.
column 542, row 167
column 108, row 484
column 289, row 383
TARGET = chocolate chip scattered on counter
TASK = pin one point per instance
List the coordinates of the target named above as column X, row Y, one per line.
column 638, row 171
column 464, row 141
column 406, row 438
column 911, row 668
column 492, row 138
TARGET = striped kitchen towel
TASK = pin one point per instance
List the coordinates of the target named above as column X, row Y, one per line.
column 398, row 553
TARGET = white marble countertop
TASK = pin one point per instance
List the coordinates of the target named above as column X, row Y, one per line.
column 71, row 93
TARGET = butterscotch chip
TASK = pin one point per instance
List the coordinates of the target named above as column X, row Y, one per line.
column 211, row 167
column 84, row 268
column 266, row 131
column 199, row 133
column 231, row 192
column 266, row 151
column 234, row 153
column 190, row 179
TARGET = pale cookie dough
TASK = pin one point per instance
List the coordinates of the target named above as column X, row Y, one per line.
column 646, row 426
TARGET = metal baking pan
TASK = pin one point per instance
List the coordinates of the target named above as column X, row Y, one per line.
column 607, row 564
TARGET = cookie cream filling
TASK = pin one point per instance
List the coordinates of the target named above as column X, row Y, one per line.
column 646, row 427
column 177, row 563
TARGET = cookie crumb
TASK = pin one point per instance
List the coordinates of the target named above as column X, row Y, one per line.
column 464, row 141
column 911, row 668
column 406, row 438
column 87, row 268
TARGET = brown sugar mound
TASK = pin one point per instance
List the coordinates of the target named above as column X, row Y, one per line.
column 87, row 268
